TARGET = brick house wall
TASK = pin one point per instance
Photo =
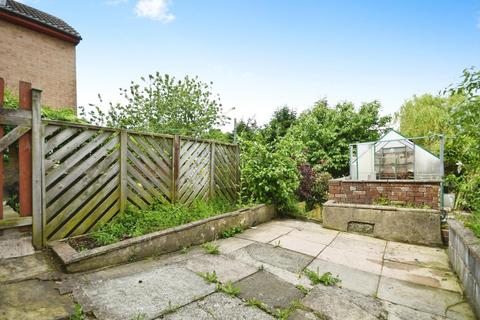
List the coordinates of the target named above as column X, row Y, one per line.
column 418, row 193
column 47, row 62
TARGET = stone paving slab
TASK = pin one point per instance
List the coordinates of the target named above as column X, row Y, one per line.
column 148, row 293
column 23, row 268
column 265, row 232
column 231, row 244
column 33, row 300
column 418, row 297
column 461, row 311
column 269, row 289
column 16, row 247
column 299, row 244
column 373, row 247
column 353, row 279
column 343, row 304
column 276, row 256
column 316, row 235
column 218, row 306
column 361, row 260
column 417, row 255
column 227, row 269
column 399, row 312
column 420, row 275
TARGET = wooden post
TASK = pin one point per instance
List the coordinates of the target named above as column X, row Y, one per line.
column 176, row 167
column 238, row 177
column 25, row 156
column 123, row 170
column 37, row 171
column 212, row 170
column 2, row 92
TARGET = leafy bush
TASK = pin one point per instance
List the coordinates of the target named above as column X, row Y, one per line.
column 134, row 222
column 64, row 114
column 313, row 187
column 269, row 173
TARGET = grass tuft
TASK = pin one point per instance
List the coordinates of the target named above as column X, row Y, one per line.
column 211, row 248
column 210, row 277
column 228, row 288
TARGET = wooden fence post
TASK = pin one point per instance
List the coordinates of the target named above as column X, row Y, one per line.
column 2, row 92
column 123, row 169
column 238, row 177
column 212, row 170
column 176, row 167
column 25, row 156
column 37, row 171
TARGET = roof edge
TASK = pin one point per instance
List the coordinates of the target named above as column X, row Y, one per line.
column 37, row 26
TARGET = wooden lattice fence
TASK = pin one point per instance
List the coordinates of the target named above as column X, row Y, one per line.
column 92, row 173
column 73, row 177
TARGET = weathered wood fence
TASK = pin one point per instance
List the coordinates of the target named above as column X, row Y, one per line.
column 84, row 175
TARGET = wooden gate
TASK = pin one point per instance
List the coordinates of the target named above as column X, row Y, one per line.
column 23, row 123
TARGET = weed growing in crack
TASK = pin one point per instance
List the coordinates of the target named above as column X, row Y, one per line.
column 211, row 248
column 171, row 308
column 231, row 232
column 228, row 288
column 258, row 304
column 140, row 316
column 210, row 277
column 78, row 313
column 327, row 278
column 302, row 289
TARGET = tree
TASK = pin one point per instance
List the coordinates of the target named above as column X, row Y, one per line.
column 162, row 104
column 465, row 152
column 326, row 132
column 427, row 115
column 282, row 119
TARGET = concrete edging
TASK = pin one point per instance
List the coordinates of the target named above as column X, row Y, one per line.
column 410, row 225
column 160, row 242
column 464, row 255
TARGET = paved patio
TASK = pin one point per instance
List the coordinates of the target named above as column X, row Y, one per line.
column 379, row 280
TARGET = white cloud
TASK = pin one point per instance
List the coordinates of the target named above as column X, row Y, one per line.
column 155, row 10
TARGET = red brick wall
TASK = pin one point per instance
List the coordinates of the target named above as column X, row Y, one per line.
column 418, row 193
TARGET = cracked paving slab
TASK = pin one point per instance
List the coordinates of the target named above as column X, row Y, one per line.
column 269, row 289
column 149, row 293
column 218, row 306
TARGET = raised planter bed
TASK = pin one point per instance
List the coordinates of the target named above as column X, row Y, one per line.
column 161, row 242
column 410, row 225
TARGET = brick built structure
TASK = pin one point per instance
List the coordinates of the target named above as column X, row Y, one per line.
column 414, row 192
column 38, row 48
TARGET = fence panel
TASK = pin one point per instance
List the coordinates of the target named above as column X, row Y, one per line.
column 149, row 169
column 81, row 179
column 226, row 171
column 194, row 171
column 92, row 173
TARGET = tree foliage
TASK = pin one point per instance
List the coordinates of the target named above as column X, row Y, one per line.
column 163, row 104
column 283, row 118
column 465, row 145
column 326, row 132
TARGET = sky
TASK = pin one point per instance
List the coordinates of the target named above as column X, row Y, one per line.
column 263, row 54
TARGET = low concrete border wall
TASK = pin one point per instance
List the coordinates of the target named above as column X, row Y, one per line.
column 161, row 242
column 418, row 226
column 464, row 254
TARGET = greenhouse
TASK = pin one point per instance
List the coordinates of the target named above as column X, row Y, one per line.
column 395, row 157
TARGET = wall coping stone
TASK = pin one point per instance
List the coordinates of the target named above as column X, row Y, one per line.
column 388, row 181
column 332, row 203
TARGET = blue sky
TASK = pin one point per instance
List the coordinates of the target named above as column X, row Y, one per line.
column 262, row 54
